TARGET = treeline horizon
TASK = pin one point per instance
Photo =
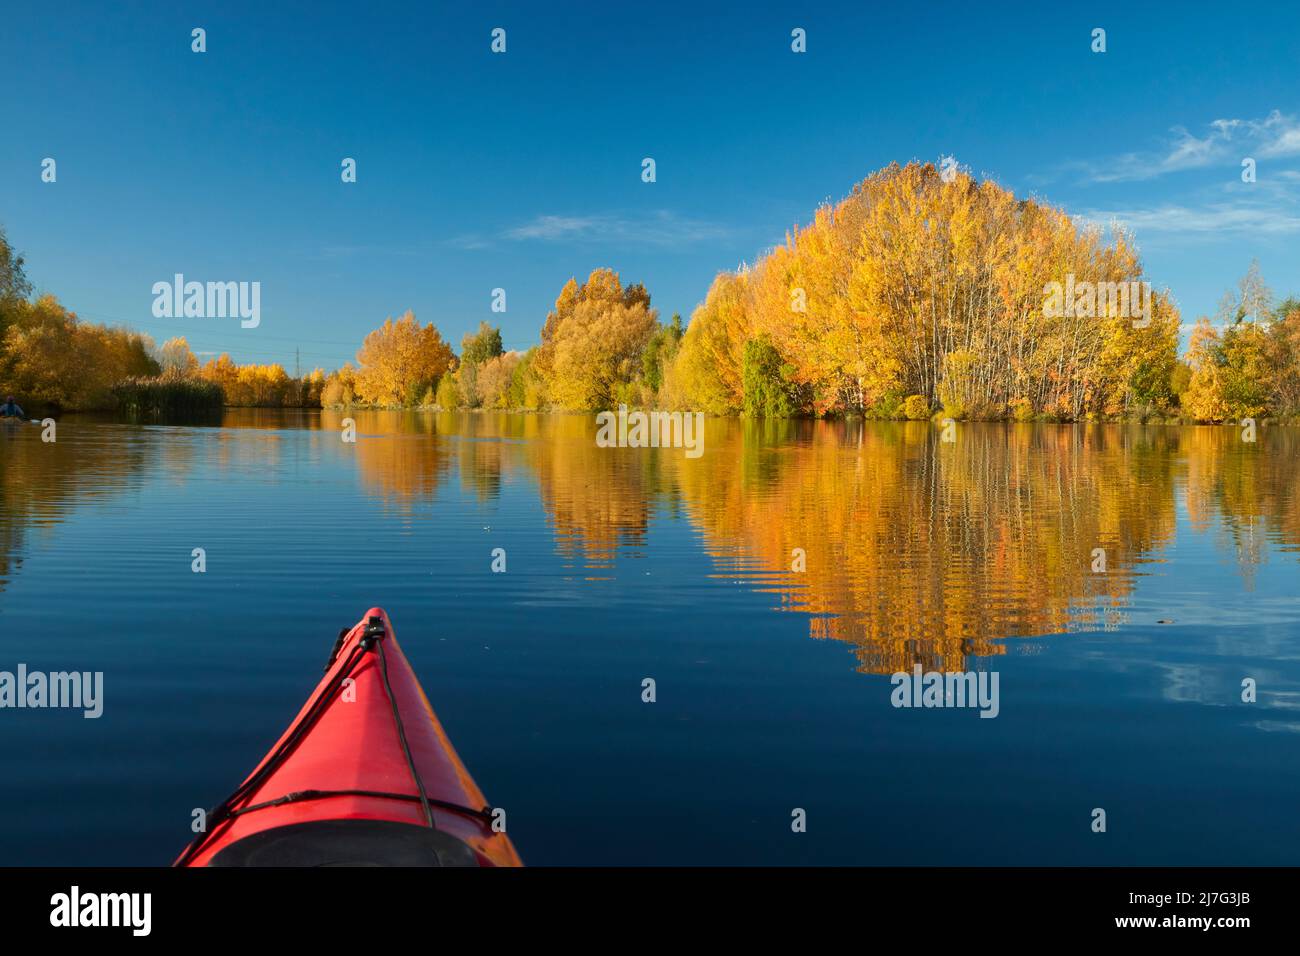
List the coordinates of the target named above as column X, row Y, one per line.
column 921, row 295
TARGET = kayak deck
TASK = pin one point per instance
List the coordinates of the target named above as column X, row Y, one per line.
column 365, row 775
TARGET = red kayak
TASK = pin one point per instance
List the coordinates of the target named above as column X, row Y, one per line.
column 364, row 776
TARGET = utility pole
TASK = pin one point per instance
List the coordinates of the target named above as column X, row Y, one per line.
column 297, row 364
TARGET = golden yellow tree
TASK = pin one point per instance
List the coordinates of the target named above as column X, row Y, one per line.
column 592, row 341
column 935, row 286
column 400, row 361
column 1204, row 399
column 494, row 379
column 50, row 355
column 706, row 373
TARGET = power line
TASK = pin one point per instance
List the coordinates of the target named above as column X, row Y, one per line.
column 170, row 323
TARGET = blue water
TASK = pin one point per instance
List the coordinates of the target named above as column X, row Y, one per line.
column 773, row 687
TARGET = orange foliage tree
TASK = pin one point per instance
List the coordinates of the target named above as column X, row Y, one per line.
column 400, row 362
column 593, row 340
column 914, row 285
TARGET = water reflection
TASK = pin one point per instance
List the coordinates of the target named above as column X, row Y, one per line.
column 913, row 549
column 41, row 483
column 921, row 550
column 908, row 548
column 399, row 455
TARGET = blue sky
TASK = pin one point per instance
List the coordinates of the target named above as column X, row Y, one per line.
column 478, row 171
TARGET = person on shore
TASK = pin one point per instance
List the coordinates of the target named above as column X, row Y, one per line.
column 11, row 409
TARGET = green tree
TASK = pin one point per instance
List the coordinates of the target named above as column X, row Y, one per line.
column 14, row 287
column 525, row 385
column 1249, row 379
column 478, row 347
column 770, row 391
column 659, row 351
column 448, row 395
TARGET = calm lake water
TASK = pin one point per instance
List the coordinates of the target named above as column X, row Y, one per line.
column 773, row 686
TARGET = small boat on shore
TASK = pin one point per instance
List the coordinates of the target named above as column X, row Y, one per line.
column 363, row 776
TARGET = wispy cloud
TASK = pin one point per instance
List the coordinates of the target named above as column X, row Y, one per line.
column 1224, row 141
column 1211, row 219
column 1267, row 207
column 1281, row 136
column 553, row 228
column 660, row 228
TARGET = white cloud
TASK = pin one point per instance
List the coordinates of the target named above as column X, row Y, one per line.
column 661, row 228
column 551, row 228
column 1226, row 141
column 1209, row 219
column 1277, row 135
column 658, row 228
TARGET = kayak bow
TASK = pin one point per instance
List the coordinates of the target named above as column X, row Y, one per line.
column 364, row 776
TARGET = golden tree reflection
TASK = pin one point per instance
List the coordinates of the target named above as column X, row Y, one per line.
column 886, row 537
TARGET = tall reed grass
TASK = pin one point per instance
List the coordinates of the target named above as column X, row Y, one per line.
column 167, row 396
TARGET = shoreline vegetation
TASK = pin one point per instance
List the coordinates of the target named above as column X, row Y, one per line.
column 921, row 295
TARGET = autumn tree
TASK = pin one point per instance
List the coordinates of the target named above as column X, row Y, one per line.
column 1250, row 368
column 921, row 285
column 494, row 380
column 175, row 358
column 221, row 371
column 400, row 361
column 1204, row 398
column 50, row 355
column 311, row 387
column 340, row 388
column 706, row 374
column 1248, row 377
column 593, row 340
column 1284, row 336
